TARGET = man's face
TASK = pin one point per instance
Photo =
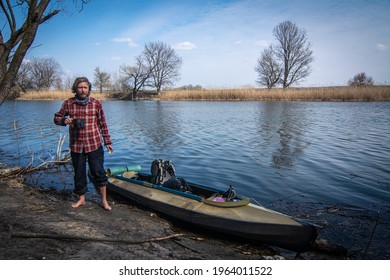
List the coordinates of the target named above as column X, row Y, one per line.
column 82, row 90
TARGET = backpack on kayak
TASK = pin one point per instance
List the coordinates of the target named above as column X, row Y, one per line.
column 164, row 174
column 162, row 171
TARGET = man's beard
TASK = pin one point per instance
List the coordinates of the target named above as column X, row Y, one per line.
column 82, row 101
column 80, row 97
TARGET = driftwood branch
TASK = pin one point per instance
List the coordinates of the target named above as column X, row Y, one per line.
column 16, row 171
column 89, row 239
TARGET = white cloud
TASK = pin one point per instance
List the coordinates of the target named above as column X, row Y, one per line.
column 129, row 41
column 262, row 43
column 381, row 47
column 185, row 46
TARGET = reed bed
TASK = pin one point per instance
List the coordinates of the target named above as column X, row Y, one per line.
column 56, row 95
column 375, row 93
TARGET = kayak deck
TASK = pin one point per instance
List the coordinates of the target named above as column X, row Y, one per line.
column 247, row 220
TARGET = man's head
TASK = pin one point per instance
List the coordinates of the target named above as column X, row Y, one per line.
column 81, row 87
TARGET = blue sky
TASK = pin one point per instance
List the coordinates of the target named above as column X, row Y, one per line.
column 220, row 40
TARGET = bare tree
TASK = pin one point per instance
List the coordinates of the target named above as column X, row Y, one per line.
column 68, row 81
column 102, row 79
column 133, row 78
column 23, row 78
column 116, row 80
column 39, row 74
column 58, row 83
column 268, row 69
column 361, row 79
column 45, row 73
column 20, row 35
column 165, row 63
column 293, row 50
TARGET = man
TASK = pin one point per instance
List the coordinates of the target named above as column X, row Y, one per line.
column 87, row 131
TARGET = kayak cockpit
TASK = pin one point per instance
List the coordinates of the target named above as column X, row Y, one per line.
column 208, row 195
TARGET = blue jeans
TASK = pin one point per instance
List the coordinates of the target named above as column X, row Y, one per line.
column 96, row 170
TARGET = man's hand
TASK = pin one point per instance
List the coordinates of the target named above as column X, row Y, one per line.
column 109, row 149
column 68, row 121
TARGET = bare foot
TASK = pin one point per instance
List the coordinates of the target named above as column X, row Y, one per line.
column 103, row 193
column 80, row 202
column 106, row 206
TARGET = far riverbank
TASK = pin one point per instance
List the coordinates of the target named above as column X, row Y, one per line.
column 314, row 94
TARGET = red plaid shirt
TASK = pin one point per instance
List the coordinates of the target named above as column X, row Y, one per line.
column 95, row 131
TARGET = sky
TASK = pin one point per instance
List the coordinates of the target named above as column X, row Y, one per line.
column 220, row 41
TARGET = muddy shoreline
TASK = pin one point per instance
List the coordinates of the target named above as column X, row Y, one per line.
column 39, row 223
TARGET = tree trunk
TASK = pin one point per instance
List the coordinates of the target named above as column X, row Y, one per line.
column 25, row 35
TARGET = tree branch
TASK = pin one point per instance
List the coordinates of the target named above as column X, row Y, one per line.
column 89, row 239
column 9, row 14
column 49, row 16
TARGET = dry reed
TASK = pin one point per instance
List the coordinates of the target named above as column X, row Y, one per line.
column 56, row 95
column 376, row 93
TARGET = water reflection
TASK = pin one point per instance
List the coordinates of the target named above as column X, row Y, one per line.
column 27, row 130
column 281, row 128
column 159, row 123
column 154, row 126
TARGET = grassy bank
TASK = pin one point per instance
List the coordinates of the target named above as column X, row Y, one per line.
column 375, row 93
